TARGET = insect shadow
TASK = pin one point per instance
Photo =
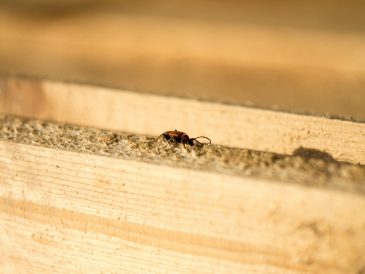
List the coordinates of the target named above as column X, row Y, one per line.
column 311, row 153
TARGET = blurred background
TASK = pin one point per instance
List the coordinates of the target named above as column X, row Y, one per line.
column 305, row 56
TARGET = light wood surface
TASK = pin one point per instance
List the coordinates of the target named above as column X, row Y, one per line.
column 144, row 36
column 80, row 212
column 67, row 212
column 297, row 60
column 229, row 125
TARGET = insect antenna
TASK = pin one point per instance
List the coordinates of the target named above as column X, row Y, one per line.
column 201, row 137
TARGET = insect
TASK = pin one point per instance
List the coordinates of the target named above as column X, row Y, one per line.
column 180, row 137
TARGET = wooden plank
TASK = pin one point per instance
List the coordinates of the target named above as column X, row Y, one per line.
column 68, row 212
column 229, row 125
column 239, row 43
column 320, row 14
column 231, row 61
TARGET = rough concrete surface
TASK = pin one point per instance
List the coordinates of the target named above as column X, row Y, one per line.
column 306, row 166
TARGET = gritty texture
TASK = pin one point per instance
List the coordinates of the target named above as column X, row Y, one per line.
column 306, row 166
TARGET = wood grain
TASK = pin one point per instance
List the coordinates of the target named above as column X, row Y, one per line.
column 118, row 216
column 229, row 125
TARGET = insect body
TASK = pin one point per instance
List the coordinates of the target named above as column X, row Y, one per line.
column 180, row 137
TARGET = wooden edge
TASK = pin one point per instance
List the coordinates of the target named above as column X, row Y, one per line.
column 226, row 61
column 306, row 166
column 134, row 35
column 73, row 212
column 228, row 125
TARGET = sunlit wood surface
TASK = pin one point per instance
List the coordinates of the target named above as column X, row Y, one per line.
column 68, row 212
column 291, row 55
column 229, row 125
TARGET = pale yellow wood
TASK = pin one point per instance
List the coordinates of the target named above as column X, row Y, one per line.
column 67, row 212
column 317, row 69
column 152, row 114
column 211, row 41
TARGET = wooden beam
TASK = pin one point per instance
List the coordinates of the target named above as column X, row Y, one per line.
column 225, row 60
column 68, row 212
column 229, row 125
column 239, row 43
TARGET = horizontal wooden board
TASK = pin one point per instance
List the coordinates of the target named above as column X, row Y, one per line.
column 319, row 14
column 268, row 63
column 229, row 125
column 67, row 212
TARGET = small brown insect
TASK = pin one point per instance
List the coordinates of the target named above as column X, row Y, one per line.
column 180, row 137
